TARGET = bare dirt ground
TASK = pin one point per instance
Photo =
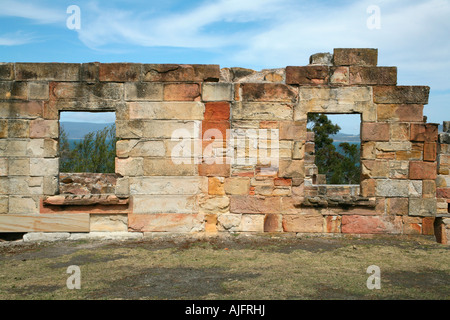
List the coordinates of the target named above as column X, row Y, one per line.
column 232, row 268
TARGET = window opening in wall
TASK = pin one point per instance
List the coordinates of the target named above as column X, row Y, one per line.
column 87, row 142
column 336, row 149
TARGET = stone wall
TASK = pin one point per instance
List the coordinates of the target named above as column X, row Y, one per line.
column 442, row 223
column 204, row 149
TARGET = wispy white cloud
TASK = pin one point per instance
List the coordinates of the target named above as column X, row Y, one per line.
column 187, row 29
column 267, row 33
column 15, row 39
column 412, row 36
column 32, row 11
column 281, row 32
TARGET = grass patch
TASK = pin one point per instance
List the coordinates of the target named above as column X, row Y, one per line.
column 233, row 269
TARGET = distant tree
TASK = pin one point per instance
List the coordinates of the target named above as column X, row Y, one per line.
column 94, row 153
column 325, row 151
column 351, row 169
column 64, row 151
column 339, row 168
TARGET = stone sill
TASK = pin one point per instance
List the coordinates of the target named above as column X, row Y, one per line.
column 337, row 185
column 85, row 200
column 338, row 201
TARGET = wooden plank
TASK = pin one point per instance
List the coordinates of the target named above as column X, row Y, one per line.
column 92, row 209
column 44, row 223
column 84, row 200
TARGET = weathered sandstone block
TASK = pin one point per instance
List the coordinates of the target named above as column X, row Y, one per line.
column 229, row 222
column 252, row 223
column 261, row 111
column 108, row 223
column 340, row 76
column 166, row 222
column 217, row 91
column 375, row 169
column 422, row 170
column 354, row 224
column 143, row 91
column 44, row 167
column 23, row 205
column 211, row 170
column 18, row 167
column 372, row 131
column 400, row 112
column 166, row 185
column 401, row 94
column 335, row 100
column 170, row 129
column 322, row 58
column 397, row 206
column 355, row 57
column 120, row 72
column 6, row 71
column 305, row 223
column 168, row 167
column 427, row 132
column 373, row 75
column 216, row 111
column 398, row 169
column 130, row 166
column 214, row 204
column 216, row 186
column 309, row 75
column 269, row 92
column 237, row 186
column 182, row 92
column 180, row 73
column 13, row 90
column 273, row 223
column 429, row 189
column 399, row 131
column 44, row 129
column 422, row 207
column 38, row 91
column 398, row 188
column 412, row 225
column 140, row 148
column 429, row 151
column 90, row 72
column 21, row 109
column 252, row 204
column 25, row 185
column 47, row 71
column 143, row 204
column 292, row 168
column 79, row 91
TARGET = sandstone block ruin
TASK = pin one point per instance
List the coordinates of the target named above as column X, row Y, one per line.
column 209, row 150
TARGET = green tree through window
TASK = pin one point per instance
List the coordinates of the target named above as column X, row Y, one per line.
column 339, row 167
column 94, row 153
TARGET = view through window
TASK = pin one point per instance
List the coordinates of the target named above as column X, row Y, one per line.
column 87, row 142
column 337, row 147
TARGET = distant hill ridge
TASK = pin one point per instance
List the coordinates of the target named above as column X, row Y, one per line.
column 77, row 130
column 344, row 137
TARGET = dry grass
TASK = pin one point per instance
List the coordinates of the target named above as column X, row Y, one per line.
column 232, row 269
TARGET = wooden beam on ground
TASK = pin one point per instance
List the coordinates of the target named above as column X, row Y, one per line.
column 44, row 223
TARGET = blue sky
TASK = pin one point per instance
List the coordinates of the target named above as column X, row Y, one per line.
column 256, row 34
